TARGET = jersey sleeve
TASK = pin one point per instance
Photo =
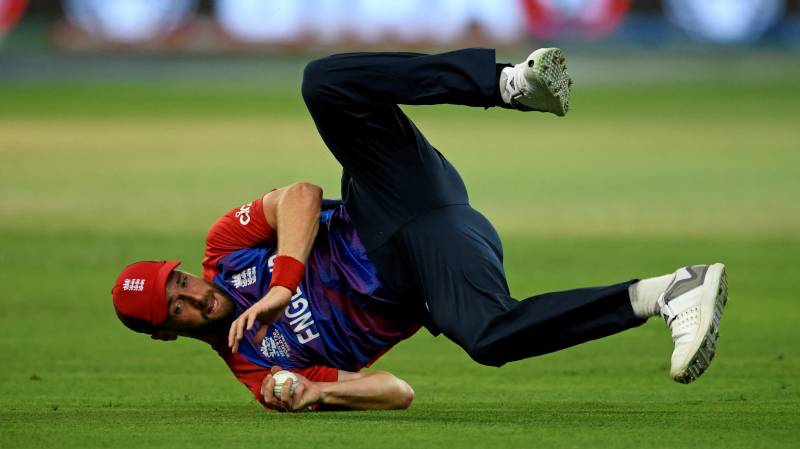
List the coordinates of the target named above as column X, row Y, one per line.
column 319, row 373
column 249, row 374
column 252, row 375
column 240, row 227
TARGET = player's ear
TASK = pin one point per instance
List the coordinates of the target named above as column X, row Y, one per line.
column 164, row 335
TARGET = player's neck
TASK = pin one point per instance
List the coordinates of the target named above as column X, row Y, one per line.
column 215, row 334
column 215, row 339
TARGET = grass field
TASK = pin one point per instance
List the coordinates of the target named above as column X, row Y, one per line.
column 637, row 181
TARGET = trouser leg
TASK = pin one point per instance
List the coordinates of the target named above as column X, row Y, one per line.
column 456, row 259
column 391, row 172
column 410, row 207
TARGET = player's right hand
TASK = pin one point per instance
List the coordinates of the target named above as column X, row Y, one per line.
column 266, row 311
column 268, row 393
column 305, row 394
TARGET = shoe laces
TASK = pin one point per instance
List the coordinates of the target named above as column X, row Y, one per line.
column 516, row 83
column 685, row 325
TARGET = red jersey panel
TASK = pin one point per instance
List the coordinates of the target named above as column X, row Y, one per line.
column 251, row 375
column 241, row 227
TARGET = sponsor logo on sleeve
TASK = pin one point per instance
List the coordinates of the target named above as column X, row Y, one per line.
column 243, row 214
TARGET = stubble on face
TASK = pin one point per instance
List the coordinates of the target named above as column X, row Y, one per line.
column 221, row 323
column 214, row 324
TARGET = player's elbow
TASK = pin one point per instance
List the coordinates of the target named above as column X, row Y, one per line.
column 306, row 191
column 408, row 397
column 307, row 188
column 404, row 396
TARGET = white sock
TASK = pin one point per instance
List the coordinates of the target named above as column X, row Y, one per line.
column 505, row 93
column 644, row 295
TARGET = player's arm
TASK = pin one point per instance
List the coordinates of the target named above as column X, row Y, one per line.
column 293, row 212
column 375, row 390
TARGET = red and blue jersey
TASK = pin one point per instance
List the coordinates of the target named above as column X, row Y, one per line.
column 340, row 317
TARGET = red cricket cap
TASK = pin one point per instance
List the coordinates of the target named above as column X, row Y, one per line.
column 140, row 296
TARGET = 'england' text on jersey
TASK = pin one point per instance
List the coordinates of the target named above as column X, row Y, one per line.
column 298, row 312
column 300, row 315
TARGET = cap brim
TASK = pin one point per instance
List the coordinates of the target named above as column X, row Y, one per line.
column 158, row 304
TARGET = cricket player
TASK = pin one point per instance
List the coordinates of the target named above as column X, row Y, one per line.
column 323, row 288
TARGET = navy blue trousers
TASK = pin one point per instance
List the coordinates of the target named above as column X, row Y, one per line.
column 410, row 206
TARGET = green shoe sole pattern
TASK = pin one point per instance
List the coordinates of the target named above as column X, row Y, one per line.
column 551, row 83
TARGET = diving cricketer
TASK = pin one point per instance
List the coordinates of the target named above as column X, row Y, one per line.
column 323, row 288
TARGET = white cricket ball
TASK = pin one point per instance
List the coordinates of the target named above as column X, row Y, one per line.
column 280, row 378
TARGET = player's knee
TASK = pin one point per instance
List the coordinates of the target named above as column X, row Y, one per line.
column 485, row 354
column 315, row 77
column 472, row 340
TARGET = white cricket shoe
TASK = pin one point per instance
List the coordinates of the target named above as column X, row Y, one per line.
column 692, row 306
column 540, row 83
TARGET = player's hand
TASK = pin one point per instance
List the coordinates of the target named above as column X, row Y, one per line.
column 306, row 393
column 267, row 391
column 266, row 311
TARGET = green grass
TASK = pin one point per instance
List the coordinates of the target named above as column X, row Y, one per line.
column 636, row 182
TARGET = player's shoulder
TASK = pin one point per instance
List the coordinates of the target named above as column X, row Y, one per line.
column 235, row 220
column 240, row 227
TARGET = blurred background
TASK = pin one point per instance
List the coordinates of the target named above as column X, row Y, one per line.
column 128, row 126
column 286, row 26
column 178, row 29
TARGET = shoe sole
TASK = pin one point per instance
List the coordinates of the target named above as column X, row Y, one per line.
column 711, row 309
column 547, row 72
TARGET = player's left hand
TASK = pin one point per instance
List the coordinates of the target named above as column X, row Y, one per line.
column 306, row 393
column 266, row 311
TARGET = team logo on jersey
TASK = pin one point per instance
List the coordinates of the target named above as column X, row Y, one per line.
column 133, row 285
column 244, row 279
column 243, row 214
column 275, row 345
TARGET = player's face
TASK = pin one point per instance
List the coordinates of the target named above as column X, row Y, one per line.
column 196, row 306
